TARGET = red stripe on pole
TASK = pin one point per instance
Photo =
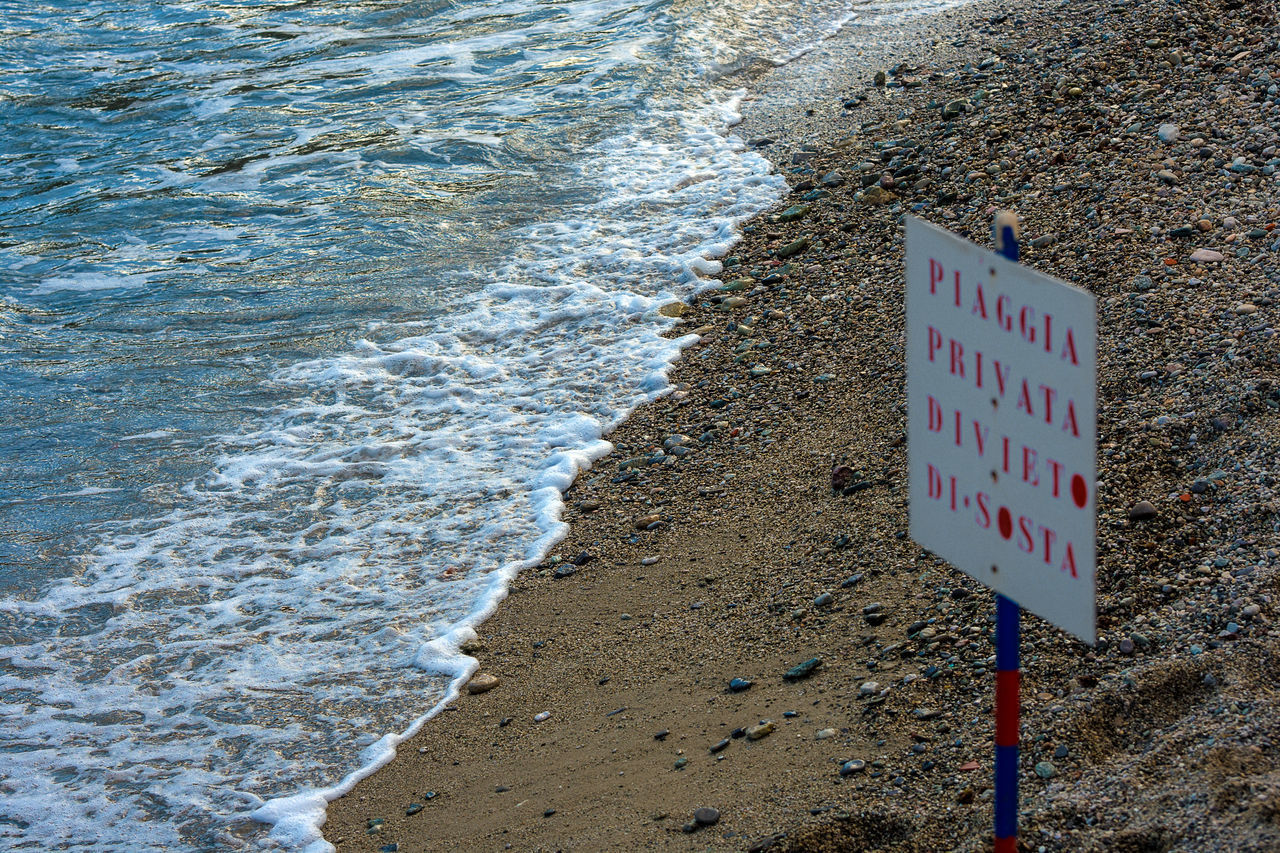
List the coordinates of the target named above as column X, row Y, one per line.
column 1007, row 707
column 1007, row 845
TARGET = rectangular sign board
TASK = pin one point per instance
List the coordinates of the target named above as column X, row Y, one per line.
column 1001, row 424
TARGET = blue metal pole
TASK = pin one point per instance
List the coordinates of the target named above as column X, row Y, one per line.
column 1008, row 675
column 1007, row 722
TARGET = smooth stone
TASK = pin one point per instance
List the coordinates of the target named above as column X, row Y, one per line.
column 1143, row 282
column 542, row 716
column 791, row 214
column 802, row 670
column 795, row 248
column 1169, row 133
column 1126, row 646
column 413, row 809
column 681, row 763
column 824, row 600
column 855, row 765
column 824, row 734
column 842, row 476
column 1046, row 770
column 1167, row 177
column 1246, row 308
column 1142, row 511
column 1206, row 256
column 869, row 688
column 673, row 309
column 738, row 685
column 832, row 179
column 482, row 682
column 719, row 745
column 706, row 816
column 761, row 730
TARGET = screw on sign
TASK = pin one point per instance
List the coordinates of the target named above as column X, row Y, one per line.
column 1001, row 428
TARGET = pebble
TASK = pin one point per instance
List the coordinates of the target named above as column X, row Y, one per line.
column 761, row 730
column 542, row 716
column 738, row 685
column 1169, row 133
column 824, row 734
column 842, row 476
column 855, row 765
column 482, row 682
column 824, row 600
column 706, row 816
column 869, row 688
column 413, row 809
column 1142, row 511
column 1206, row 256
column 719, row 745
column 794, row 248
column 791, row 214
column 802, row 670
column 1046, row 770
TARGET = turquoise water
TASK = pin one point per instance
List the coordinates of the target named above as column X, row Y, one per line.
column 308, row 312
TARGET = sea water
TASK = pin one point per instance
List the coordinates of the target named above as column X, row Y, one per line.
column 308, row 314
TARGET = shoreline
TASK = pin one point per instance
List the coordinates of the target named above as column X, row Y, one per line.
column 737, row 559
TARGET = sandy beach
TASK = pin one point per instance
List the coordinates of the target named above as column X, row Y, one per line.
column 733, row 652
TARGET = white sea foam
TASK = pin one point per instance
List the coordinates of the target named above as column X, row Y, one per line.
column 89, row 280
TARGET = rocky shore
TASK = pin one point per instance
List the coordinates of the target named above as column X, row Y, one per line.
column 735, row 650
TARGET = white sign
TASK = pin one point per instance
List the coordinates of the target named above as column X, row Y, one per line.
column 1001, row 424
